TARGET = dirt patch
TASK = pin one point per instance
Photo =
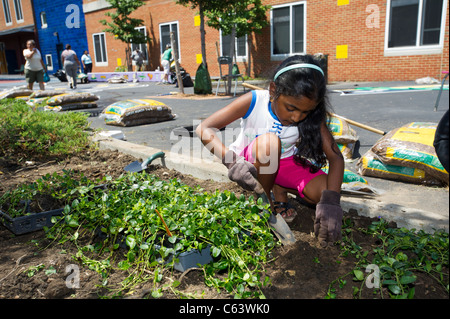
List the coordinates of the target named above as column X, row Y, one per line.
column 33, row 267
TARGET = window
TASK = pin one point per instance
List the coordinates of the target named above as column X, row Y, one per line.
column 141, row 46
column 7, row 11
column 415, row 26
column 49, row 62
column 164, row 33
column 43, row 20
column 288, row 30
column 18, row 9
column 240, row 47
column 101, row 58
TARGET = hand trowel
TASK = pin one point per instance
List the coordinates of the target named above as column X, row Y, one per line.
column 277, row 223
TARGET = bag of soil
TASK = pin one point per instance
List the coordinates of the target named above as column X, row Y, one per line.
column 117, row 79
column 71, row 98
column 136, row 112
column 202, row 84
column 45, row 93
column 349, row 176
column 347, row 150
column 412, row 146
column 370, row 165
column 341, row 131
column 15, row 92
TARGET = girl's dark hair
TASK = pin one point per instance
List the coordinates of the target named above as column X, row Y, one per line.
column 312, row 84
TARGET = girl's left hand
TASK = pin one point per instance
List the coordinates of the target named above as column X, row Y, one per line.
column 328, row 223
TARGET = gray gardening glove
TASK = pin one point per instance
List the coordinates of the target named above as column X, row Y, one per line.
column 242, row 172
column 328, row 223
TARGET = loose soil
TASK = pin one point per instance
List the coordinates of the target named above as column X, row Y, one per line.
column 303, row 270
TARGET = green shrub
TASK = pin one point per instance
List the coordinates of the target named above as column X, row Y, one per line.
column 29, row 134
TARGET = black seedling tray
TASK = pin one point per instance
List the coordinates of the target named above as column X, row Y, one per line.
column 29, row 223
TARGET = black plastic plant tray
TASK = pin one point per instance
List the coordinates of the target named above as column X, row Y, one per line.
column 29, row 223
column 191, row 258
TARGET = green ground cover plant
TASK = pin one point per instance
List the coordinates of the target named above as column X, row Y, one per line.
column 399, row 255
column 46, row 193
column 29, row 134
column 118, row 229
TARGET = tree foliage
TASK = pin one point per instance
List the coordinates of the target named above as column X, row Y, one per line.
column 121, row 25
column 246, row 16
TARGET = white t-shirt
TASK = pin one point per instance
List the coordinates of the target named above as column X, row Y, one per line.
column 260, row 120
column 33, row 63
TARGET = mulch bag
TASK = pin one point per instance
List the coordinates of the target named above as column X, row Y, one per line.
column 136, row 112
column 412, row 146
column 71, row 98
column 349, row 176
column 117, row 79
column 341, row 131
column 45, row 93
column 15, row 92
column 202, row 84
column 347, row 150
column 370, row 165
column 356, row 183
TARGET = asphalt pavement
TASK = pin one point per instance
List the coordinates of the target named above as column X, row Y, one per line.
column 411, row 206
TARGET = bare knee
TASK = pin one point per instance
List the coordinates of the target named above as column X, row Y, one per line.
column 313, row 190
column 267, row 151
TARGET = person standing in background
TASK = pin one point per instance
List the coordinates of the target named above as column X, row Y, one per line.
column 34, row 66
column 165, row 62
column 71, row 64
column 137, row 59
column 87, row 62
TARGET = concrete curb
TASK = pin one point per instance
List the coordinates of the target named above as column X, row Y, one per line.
column 408, row 217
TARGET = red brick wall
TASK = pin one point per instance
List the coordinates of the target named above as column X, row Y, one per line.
column 328, row 25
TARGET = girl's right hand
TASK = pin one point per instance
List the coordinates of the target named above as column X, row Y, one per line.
column 242, row 172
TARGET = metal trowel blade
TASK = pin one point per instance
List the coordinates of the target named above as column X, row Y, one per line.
column 281, row 229
column 134, row 167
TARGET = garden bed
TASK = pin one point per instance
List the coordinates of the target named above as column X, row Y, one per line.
column 35, row 267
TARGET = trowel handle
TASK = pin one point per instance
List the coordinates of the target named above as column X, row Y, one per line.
column 152, row 158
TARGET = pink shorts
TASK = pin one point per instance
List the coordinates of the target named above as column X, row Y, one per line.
column 290, row 174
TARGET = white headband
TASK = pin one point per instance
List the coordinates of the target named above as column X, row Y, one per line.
column 297, row 66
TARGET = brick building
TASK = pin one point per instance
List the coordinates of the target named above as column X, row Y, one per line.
column 365, row 40
column 16, row 27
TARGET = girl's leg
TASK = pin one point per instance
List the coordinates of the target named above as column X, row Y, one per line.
column 298, row 180
column 313, row 190
column 266, row 153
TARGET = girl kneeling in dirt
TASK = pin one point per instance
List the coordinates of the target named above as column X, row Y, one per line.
column 282, row 130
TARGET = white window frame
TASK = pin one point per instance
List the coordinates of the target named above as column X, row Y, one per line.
column 178, row 37
column 7, row 12
column 239, row 58
column 141, row 46
column 19, row 11
column 417, row 49
column 280, row 57
column 43, row 17
column 103, row 63
column 49, row 58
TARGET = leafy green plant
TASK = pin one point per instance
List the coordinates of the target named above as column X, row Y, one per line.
column 124, row 220
column 46, row 193
column 30, row 134
column 401, row 254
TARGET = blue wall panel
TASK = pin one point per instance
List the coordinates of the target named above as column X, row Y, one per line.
column 65, row 25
